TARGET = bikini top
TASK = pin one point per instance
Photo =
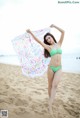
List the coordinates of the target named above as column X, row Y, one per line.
column 55, row 51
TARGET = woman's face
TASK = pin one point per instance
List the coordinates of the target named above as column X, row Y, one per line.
column 49, row 39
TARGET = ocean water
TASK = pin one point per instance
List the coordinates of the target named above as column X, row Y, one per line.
column 10, row 59
column 70, row 62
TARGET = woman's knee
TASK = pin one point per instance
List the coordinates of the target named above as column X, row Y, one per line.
column 50, row 81
column 49, row 85
column 54, row 85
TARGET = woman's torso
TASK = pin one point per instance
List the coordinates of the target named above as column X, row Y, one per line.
column 55, row 58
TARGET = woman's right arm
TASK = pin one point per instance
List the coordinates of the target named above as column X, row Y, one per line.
column 36, row 39
column 62, row 33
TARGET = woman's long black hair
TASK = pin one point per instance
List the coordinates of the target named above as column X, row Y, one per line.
column 46, row 53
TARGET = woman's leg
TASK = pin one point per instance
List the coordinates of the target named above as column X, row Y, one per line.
column 50, row 80
column 56, row 80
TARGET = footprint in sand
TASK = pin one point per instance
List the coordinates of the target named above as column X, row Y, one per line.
column 39, row 93
column 20, row 102
column 19, row 110
column 7, row 86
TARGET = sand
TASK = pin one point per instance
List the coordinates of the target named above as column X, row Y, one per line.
column 24, row 97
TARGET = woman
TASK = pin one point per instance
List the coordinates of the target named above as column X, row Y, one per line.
column 52, row 49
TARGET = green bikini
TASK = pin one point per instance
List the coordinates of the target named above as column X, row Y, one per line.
column 52, row 53
column 55, row 51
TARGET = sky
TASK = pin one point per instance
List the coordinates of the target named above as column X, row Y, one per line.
column 18, row 15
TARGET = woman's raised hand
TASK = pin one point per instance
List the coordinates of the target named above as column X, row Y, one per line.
column 28, row 31
column 52, row 25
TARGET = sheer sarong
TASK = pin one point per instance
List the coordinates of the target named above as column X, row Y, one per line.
column 31, row 53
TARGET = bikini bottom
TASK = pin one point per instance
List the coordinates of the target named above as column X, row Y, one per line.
column 55, row 69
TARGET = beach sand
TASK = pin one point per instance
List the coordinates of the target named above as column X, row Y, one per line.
column 24, row 97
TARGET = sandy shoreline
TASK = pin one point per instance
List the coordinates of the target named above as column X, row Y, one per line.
column 24, row 97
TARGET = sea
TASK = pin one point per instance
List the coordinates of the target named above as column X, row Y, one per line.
column 70, row 62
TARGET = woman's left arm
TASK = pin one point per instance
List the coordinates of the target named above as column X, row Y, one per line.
column 62, row 34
